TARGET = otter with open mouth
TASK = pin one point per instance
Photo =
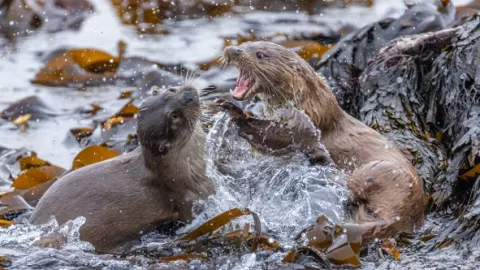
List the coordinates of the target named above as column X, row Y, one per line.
column 132, row 194
column 386, row 194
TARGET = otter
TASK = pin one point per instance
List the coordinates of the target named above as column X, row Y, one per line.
column 386, row 194
column 132, row 194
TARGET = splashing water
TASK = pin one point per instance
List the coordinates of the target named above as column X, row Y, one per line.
column 286, row 192
column 18, row 243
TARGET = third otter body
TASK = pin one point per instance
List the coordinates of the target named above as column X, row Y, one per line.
column 386, row 194
column 124, row 197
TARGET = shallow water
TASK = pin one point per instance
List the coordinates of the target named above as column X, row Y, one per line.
column 286, row 192
column 189, row 42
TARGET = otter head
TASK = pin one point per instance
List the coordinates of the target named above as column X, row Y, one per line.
column 167, row 119
column 269, row 69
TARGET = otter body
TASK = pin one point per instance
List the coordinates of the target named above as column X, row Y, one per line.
column 127, row 196
column 386, row 194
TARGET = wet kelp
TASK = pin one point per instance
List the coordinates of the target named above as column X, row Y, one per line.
column 422, row 92
column 323, row 244
column 400, row 96
column 148, row 16
column 112, row 116
column 112, row 131
column 453, row 85
column 343, row 65
column 87, row 67
column 111, row 123
column 30, row 176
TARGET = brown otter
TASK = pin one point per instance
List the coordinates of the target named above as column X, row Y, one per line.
column 124, row 197
column 386, row 194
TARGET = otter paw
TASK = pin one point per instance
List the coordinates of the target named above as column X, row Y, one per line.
column 318, row 156
column 235, row 112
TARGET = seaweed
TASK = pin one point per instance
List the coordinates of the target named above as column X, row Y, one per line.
column 382, row 84
column 343, row 64
column 423, row 92
column 390, row 99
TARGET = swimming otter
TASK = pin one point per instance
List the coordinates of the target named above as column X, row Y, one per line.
column 124, row 197
column 386, row 194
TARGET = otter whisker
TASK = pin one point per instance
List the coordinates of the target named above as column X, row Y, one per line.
column 185, row 78
column 196, row 78
column 223, row 61
column 181, row 74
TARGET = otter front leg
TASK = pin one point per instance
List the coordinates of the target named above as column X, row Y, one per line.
column 275, row 138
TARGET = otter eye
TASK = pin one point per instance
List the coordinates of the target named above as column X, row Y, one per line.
column 172, row 90
column 260, row 55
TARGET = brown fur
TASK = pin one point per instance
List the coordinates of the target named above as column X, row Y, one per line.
column 124, row 197
column 386, row 194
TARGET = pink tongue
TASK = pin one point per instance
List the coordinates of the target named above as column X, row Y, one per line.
column 241, row 89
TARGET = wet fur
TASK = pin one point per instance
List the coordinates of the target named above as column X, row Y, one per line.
column 386, row 194
column 124, row 197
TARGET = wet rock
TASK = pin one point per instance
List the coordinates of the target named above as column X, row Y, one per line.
column 390, row 99
column 12, row 206
column 453, row 86
column 343, row 64
column 32, row 105
column 426, row 85
column 423, row 92
column 382, row 87
column 18, row 18
column 8, row 157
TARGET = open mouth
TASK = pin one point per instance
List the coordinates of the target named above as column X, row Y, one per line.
column 245, row 82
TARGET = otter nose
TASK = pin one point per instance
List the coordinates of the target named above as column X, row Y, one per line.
column 190, row 96
column 232, row 51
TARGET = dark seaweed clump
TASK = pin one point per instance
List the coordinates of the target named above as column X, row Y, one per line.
column 371, row 100
column 344, row 63
column 422, row 92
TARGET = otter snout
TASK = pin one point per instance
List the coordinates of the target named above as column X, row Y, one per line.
column 190, row 96
column 232, row 52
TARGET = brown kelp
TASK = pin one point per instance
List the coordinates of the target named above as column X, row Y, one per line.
column 370, row 98
column 422, row 91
